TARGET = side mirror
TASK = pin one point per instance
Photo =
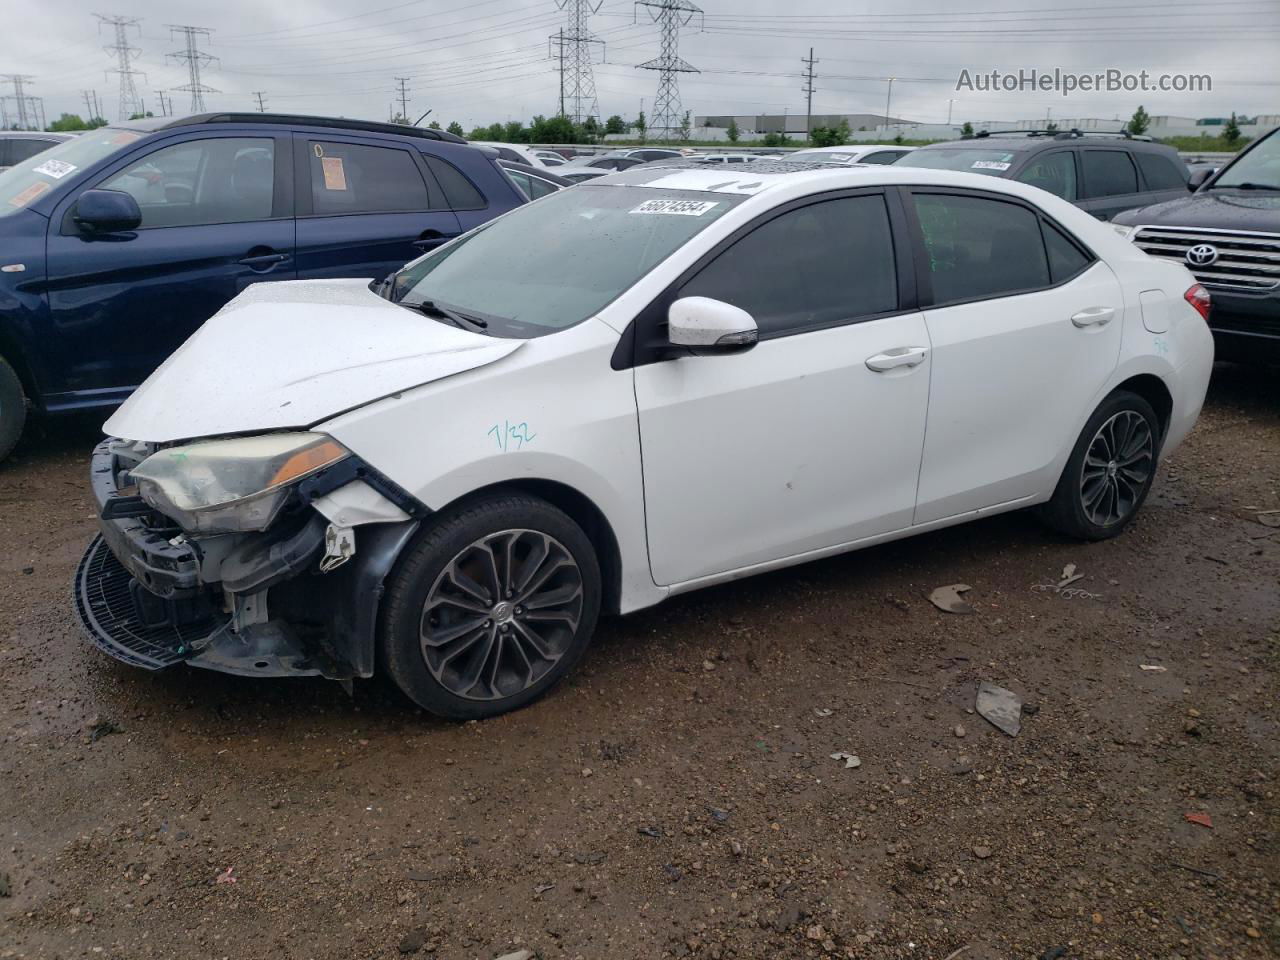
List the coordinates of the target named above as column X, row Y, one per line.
column 106, row 211
column 710, row 326
column 1198, row 178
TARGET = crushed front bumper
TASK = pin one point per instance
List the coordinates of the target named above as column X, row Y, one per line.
column 249, row 604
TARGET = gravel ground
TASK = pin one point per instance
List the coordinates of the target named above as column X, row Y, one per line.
column 677, row 797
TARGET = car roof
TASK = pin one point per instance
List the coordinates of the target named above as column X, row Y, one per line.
column 153, row 124
column 1030, row 144
column 37, row 134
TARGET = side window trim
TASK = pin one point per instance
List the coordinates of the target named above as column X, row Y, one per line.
column 640, row 343
column 924, row 283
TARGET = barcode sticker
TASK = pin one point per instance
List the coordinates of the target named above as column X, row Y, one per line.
column 55, row 168
column 990, row 165
column 679, row 208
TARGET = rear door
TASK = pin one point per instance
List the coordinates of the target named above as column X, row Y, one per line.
column 1111, row 183
column 217, row 216
column 366, row 207
column 1025, row 327
column 1164, row 175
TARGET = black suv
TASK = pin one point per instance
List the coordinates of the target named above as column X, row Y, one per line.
column 1101, row 173
column 1228, row 234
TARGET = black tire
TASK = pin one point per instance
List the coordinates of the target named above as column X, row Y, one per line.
column 514, row 668
column 13, row 409
column 1104, row 504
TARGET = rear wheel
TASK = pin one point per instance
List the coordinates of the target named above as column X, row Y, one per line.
column 490, row 607
column 1110, row 470
column 13, row 409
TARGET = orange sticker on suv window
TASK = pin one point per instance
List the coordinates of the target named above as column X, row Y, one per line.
column 335, row 178
column 124, row 137
column 29, row 194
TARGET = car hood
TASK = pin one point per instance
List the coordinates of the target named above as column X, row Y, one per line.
column 288, row 355
column 1215, row 209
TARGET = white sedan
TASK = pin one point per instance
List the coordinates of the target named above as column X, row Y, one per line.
column 661, row 380
column 852, row 153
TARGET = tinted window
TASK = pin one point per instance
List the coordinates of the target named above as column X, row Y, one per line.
column 20, row 150
column 1161, row 173
column 224, row 180
column 521, row 180
column 542, row 187
column 1108, row 173
column 1055, row 172
column 458, row 190
column 979, row 247
column 836, row 256
column 1065, row 258
column 883, row 156
column 353, row 178
column 734, row 160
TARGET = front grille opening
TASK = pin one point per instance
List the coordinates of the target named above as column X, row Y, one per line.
column 1244, row 261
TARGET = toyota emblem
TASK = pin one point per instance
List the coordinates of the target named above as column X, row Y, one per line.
column 1202, row 255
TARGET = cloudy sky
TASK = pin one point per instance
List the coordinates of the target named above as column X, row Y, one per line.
column 477, row 61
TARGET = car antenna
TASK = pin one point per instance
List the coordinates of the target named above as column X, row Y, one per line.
column 423, row 117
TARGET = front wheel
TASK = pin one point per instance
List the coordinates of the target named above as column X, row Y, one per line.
column 491, row 606
column 13, row 409
column 1110, row 470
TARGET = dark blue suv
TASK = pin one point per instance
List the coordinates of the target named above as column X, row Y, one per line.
column 116, row 245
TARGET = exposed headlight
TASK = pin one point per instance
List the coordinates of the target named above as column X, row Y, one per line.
column 1124, row 231
column 231, row 486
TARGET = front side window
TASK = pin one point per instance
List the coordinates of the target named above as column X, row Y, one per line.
column 980, row 248
column 355, row 178
column 1055, row 172
column 811, row 267
column 214, row 180
column 552, row 264
column 1109, row 173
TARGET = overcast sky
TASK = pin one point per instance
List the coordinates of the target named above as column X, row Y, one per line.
column 487, row 60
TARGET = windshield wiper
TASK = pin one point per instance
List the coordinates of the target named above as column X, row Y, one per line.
column 433, row 309
column 1245, row 186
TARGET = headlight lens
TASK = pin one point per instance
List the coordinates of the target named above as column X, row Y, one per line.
column 232, row 486
column 1124, row 231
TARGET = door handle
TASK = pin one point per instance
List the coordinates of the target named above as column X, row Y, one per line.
column 432, row 238
column 1093, row 317
column 898, row 357
column 263, row 260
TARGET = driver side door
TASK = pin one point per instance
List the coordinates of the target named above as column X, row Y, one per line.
column 812, row 438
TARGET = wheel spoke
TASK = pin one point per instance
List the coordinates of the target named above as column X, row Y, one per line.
column 532, row 638
column 439, row 636
column 549, row 567
column 467, row 585
column 480, row 636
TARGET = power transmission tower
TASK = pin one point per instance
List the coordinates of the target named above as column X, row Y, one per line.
column 262, row 106
column 670, row 15
column 29, row 110
column 577, row 79
column 808, row 91
column 130, row 102
column 195, row 59
column 403, row 98
column 558, row 37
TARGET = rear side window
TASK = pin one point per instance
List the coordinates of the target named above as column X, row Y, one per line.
column 1109, row 173
column 980, row 248
column 20, row 150
column 1065, row 258
column 1055, row 172
column 354, row 178
column 1162, row 173
column 837, row 256
column 458, row 190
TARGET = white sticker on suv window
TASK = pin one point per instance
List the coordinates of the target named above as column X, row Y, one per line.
column 990, row 165
column 55, row 168
column 681, row 208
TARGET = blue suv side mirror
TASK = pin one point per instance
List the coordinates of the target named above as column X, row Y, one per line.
column 105, row 211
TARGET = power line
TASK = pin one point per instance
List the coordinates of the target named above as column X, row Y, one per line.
column 29, row 110
column 129, row 101
column 194, row 58
column 807, row 89
column 670, row 15
column 577, row 80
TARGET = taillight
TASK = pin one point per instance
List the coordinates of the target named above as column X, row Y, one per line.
column 1198, row 297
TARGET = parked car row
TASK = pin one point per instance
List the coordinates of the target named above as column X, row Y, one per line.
column 19, row 145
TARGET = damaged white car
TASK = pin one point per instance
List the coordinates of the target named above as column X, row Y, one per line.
column 658, row 381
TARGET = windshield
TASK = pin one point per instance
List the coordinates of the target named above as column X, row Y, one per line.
column 25, row 182
column 1259, row 167
column 823, row 156
column 993, row 163
column 551, row 264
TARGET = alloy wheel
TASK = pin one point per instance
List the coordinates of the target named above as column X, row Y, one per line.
column 1117, row 468
column 500, row 614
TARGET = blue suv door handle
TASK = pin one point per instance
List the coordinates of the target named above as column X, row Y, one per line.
column 263, row 261
column 432, row 238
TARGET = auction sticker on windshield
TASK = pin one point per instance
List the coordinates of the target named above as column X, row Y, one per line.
column 55, row 168
column 681, row 208
column 29, row 194
column 990, row 165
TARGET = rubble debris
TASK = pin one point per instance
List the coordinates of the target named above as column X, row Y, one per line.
column 1199, row 819
column 851, row 762
column 1000, row 707
column 948, row 599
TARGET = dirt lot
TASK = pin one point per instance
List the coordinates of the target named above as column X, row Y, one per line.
column 677, row 797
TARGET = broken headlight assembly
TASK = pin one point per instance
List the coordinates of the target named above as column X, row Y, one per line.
column 232, row 486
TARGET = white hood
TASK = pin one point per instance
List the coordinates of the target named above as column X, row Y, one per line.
column 288, row 355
